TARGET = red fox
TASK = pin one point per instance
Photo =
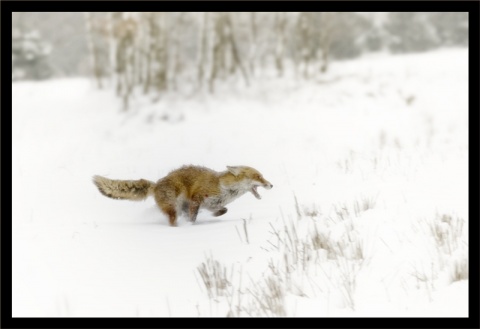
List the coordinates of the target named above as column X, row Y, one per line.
column 188, row 189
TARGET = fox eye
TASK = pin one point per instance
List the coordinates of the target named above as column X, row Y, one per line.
column 257, row 176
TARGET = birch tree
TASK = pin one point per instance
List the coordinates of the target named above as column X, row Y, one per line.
column 326, row 31
column 202, row 52
column 224, row 48
column 253, row 42
column 280, row 25
column 93, row 50
column 304, row 26
column 160, row 36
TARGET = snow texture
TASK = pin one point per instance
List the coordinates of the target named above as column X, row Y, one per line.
column 368, row 214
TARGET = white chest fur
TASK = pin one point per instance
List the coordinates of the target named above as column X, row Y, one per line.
column 227, row 195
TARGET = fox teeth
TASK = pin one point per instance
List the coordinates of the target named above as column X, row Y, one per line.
column 255, row 193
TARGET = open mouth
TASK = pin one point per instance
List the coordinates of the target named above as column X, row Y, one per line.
column 255, row 193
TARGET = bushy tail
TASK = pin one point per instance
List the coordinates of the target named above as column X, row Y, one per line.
column 124, row 189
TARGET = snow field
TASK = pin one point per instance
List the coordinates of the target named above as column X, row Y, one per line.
column 368, row 215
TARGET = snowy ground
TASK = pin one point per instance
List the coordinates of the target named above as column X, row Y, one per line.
column 368, row 215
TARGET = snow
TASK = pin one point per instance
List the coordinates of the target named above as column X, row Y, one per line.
column 381, row 141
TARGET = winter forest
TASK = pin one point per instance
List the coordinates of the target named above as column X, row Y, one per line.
column 155, row 52
column 358, row 119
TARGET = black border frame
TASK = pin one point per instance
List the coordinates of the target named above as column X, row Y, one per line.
column 473, row 7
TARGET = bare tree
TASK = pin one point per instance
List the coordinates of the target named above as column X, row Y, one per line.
column 304, row 27
column 177, row 37
column 234, row 48
column 280, row 24
column 224, row 48
column 124, row 30
column 112, row 46
column 94, row 60
column 253, row 42
column 141, row 48
column 150, row 50
column 202, row 57
column 217, row 48
column 326, row 31
column 161, row 51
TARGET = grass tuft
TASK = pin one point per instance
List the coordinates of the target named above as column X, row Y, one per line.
column 214, row 277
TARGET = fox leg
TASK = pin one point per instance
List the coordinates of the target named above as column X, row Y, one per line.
column 166, row 199
column 194, row 206
column 168, row 209
column 171, row 213
column 193, row 211
column 220, row 212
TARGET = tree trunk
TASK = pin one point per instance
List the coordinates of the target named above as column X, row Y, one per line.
column 114, row 19
column 217, row 49
column 177, row 36
column 253, row 43
column 93, row 50
column 125, row 32
column 202, row 52
column 325, row 39
column 161, row 55
column 235, row 52
column 111, row 48
column 150, row 51
column 280, row 23
column 304, row 31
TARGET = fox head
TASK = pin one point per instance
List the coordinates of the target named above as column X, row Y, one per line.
column 249, row 178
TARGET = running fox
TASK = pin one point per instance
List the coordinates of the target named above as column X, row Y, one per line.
column 188, row 189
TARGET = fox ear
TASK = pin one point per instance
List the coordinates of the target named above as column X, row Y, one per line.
column 234, row 170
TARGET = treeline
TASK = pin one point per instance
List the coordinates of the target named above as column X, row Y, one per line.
column 154, row 52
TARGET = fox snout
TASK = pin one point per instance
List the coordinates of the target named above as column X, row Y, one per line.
column 267, row 185
column 251, row 177
column 263, row 183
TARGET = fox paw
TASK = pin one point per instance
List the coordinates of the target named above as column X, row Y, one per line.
column 220, row 212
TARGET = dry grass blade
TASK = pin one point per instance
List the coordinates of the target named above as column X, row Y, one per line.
column 214, row 277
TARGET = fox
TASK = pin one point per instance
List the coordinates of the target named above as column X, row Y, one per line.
column 188, row 189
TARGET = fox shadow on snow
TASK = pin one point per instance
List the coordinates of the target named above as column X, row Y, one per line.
column 153, row 218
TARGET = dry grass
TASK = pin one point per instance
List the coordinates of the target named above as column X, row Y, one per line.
column 269, row 296
column 345, row 253
column 215, row 277
column 363, row 204
column 447, row 230
column 311, row 211
column 459, row 268
column 448, row 235
column 300, row 249
column 347, row 272
column 450, row 250
column 344, row 211
column 297, row 207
